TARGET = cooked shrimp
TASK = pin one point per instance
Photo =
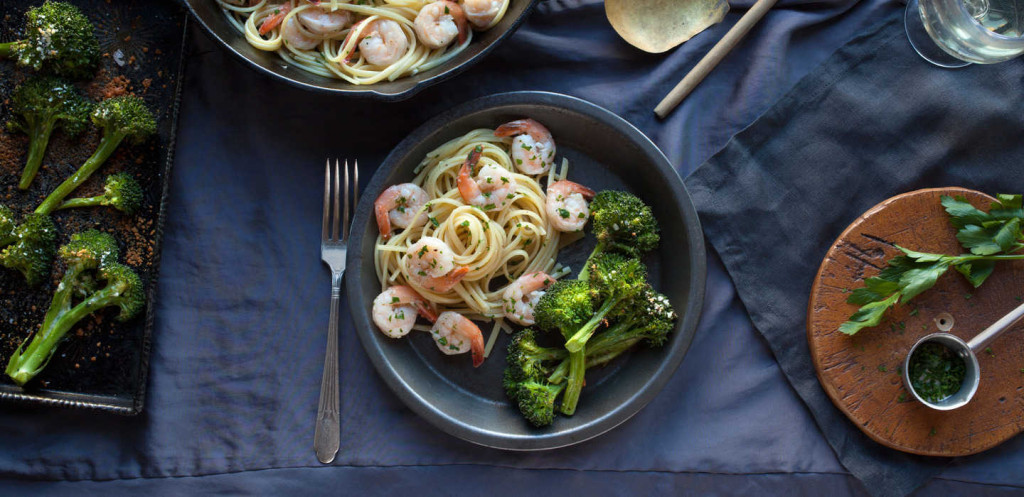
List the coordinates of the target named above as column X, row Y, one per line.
column 522, row 295
column 456, row 334
column 382, row 42
column 296, row 37
column 395, row 310
column 481, row 13
column 566, row 205
column 492, row 188
column 533, row 148
column 431, row 264
column 439, row 23
column 324, row 23
column 398, row 205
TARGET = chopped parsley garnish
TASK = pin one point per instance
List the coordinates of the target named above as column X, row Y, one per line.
column 564, row 213
column 936, row 372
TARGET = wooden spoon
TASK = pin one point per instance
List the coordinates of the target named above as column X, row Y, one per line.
column 655, row 26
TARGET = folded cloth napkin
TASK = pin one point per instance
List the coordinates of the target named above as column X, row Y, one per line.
column 874, row 121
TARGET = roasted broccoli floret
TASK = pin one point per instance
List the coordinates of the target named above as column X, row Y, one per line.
column 31, row 248
column 566, row 307
column 526, row 359
column 623, row 223
column 58, row 39
column 525, row 375
column 119, row 118
column 120, row 191
column 623, row 220
column 39, row 105
column 650, row 320
column 536, row 401
column 614, row 279
column 94, row 280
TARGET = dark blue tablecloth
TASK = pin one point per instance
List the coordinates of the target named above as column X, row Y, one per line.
column 242, row 311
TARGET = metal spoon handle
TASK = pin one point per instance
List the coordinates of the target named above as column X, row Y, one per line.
column 978, row 343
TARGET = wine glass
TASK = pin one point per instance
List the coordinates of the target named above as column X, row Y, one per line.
column 955, row 33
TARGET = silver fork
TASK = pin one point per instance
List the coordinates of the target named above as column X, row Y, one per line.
column 333, row 249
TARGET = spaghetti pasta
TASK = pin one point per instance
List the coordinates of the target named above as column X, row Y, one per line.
column 360, row 41
column 496, row 245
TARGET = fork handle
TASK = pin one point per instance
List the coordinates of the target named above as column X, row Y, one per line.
column 327, row 437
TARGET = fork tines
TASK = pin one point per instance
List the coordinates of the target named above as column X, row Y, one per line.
column 332, row 194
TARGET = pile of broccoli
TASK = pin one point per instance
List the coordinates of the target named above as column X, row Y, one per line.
column 93, row 281
column 59, row 43
column 603, row 313
column 30, row 246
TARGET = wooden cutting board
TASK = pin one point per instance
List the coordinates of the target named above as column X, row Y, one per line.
column 861, row 373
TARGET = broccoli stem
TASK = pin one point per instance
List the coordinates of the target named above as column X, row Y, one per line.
column 81, row 202
column 585, row 271
column 5, row 48
column 107, row 146
column 24, row 366
column 601, row 350
column 577, row 370
column 39, row 137
column 580, row 338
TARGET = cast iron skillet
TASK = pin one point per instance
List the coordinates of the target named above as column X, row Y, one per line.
column 212, row 19
column 604, row 151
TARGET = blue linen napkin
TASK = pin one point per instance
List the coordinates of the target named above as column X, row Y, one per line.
column 242, row 301
column 874, row 121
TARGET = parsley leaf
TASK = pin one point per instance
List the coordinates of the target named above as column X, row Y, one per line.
column 989, row 236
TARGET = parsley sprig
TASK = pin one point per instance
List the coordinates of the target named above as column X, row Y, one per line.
column 990, row 236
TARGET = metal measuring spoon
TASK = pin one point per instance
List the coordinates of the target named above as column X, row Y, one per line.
column 968, row 352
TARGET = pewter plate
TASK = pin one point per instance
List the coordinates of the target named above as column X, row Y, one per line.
column 213, row 20
column 604, row 152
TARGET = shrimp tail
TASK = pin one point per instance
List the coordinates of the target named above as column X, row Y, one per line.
column 476, row 348
column 356, row 28
column 513, row 128
column 274, row 20
column 467, row 187
column 424, row 310
column 573, row 187
column 459, row 16
column 451, row 279
column 524, row 127
column 383, row 220
column 381, row 206
column 406, row 294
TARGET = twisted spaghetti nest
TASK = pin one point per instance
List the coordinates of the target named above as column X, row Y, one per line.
column 328, row 58
column 497, row 246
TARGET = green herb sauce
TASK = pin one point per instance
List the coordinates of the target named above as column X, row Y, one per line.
column 936, row 372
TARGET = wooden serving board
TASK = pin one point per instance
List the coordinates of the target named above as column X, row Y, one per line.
column 861, row 373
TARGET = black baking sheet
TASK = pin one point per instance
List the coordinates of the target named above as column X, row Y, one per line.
column 102, row 364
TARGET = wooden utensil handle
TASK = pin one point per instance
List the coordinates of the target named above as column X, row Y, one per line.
column 713, row 57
